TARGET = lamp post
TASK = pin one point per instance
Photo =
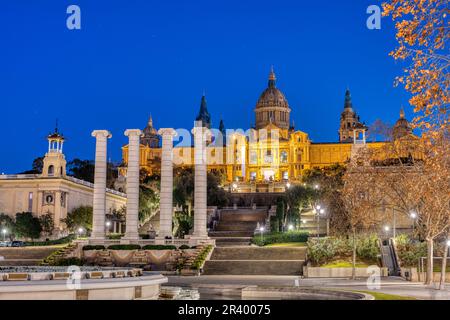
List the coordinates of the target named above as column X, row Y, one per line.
column 386, row 229
column 108, row 226
column 80, row 231
column 261, row 230
column 413, row 216
column 290, row 227
column 318, row 212
column 4, row 231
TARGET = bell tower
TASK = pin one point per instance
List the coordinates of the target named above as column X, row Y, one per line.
column 54, row 160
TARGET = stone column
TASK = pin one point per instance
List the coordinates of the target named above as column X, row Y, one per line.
column 99, row 203
column 166, row 195
column 132, row 216
column 200, row 196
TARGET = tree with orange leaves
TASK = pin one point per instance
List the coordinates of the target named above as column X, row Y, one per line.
column 422, row 35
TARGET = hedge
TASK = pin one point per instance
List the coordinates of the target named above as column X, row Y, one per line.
column 280, row 237
column 184, row 247
column 324, row 250
column 63, row 240
column 159, row 247
column 201, row 257
column 93, row 247
column 124, row 247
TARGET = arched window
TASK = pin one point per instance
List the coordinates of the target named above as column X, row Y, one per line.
column 51, row 170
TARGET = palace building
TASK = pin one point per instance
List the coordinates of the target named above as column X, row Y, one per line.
column 53, row 191
column 269, row 155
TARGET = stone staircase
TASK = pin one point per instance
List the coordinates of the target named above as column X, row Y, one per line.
column 255, row 261
column 309, row 223
column 236, row 226
column 25, row 256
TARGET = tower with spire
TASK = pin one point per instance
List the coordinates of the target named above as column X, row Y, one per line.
column 203, row 114
column 349, row 120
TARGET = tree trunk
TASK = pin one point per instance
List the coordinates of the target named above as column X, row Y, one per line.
column 354, row 256
column 444, row 268
column 429, row 276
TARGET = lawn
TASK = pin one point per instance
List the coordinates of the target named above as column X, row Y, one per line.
column 386, row 296
column 286, row 245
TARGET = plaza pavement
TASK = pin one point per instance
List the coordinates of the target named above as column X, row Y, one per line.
column 228, row 287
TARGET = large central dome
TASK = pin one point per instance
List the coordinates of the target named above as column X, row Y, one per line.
column 272, row 106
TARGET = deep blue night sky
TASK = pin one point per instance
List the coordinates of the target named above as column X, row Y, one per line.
column 136, row 57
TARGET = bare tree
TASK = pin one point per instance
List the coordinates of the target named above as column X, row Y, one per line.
column 360, row 197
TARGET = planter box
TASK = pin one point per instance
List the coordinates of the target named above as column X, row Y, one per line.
column 189, row 272
column 318, row 272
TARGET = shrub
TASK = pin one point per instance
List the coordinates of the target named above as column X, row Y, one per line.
column 63, row 240
column 367, row 248
column 184, row 247
column 67, row 262
column 280, row 237
column 115, row 236
column 201, row 257
column 124, row 247
column 158, row 247
column 93, row 247
column 410, row 252
column 324, row 250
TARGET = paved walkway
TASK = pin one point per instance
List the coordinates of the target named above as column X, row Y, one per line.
column 229, row 286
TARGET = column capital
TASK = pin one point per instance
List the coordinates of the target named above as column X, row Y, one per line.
column 133, row 132
column 104, row 133
column 201, row 131
column 167, row 132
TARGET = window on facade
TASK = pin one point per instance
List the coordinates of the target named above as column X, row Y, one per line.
column 284, row 157
column 285, row 175
column 51, row 170
column 253, row 157
column 30, row 202
column 252, row 175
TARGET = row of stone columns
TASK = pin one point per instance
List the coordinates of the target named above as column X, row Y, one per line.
column 166, row 195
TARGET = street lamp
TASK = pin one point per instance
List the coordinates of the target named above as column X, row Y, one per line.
column 4, row 231
column 319, row 211
column 386, row 229
column 261, row 230
column 288, row 185
column 413, row 216
column 80, row 231
column 290, row 227
column 316, row 187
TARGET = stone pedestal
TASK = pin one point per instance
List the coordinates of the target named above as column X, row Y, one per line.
column 132, row 217
column 99, row 203
column 200, row 196
column 166, row 195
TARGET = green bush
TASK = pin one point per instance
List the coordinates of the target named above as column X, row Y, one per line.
column 324, row 250
column 158, row 247
column 64, row 240
column 410, row 252
column 201, row 257
column 67, row 262
column 93, row 247
column 367, row 248
column 124, row 247
column 115, row 236
column 280, row 237
column 184, row 247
